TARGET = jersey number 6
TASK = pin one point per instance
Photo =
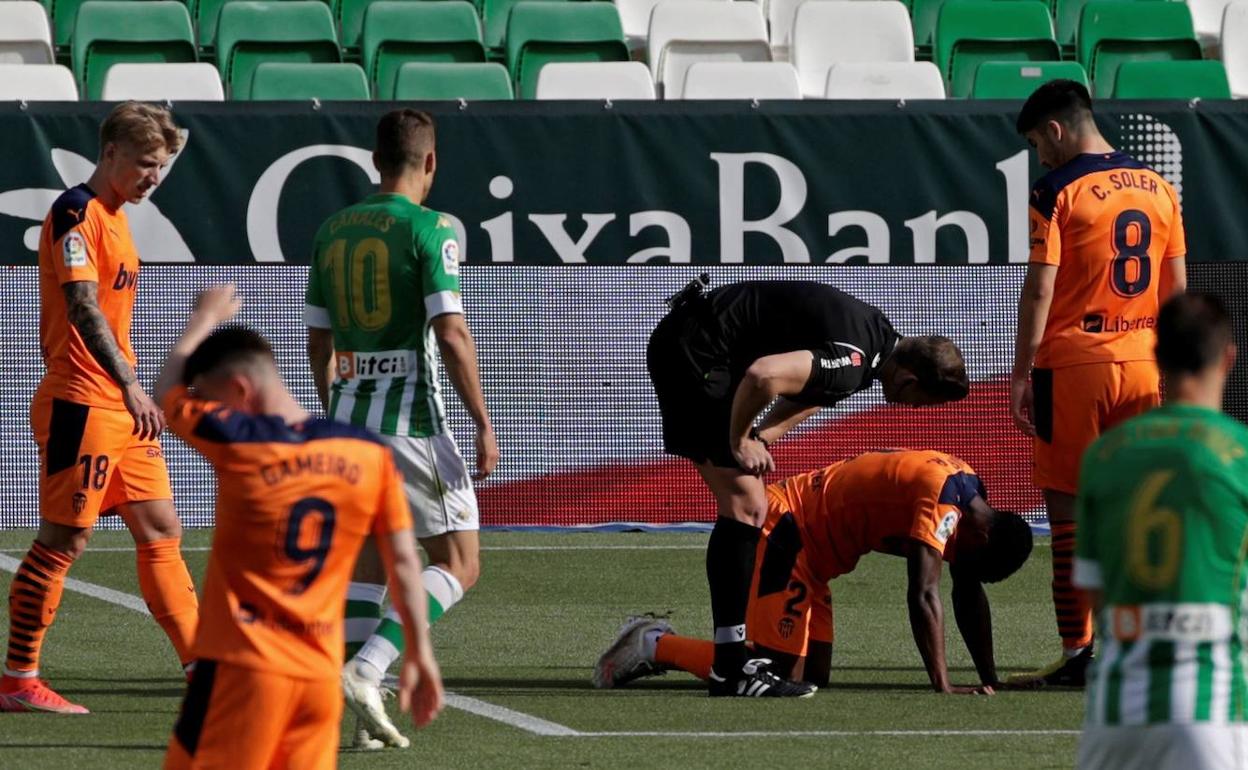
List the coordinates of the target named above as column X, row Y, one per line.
column 299, row 513
column 1132, row 270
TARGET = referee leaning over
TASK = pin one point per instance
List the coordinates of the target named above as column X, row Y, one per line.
column 717, row 360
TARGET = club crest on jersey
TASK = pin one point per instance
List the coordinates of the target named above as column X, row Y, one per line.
column 74, row 249
column 947, row 525
column 450, row 257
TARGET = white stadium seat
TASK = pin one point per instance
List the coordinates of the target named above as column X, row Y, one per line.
column 25, row 35
column 829, row 32
column 595, row 80
column 1207, row 19
column 37, row 83
column 685, row 31
column 780, row 15
column 1235, row 47
column 635, row 18
column 884, row 80
column 198, row 82
column 741, row 80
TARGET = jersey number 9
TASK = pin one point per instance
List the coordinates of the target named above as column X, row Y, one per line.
column 317, row 554
column 1132, row 270
column 361, row 283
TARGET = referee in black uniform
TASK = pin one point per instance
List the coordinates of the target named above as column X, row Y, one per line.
column 717, row 360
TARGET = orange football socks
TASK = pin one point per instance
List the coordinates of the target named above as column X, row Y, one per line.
column 167, row 588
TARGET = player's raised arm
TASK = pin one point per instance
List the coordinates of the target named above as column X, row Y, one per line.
column 459, row 353
column 213, row 306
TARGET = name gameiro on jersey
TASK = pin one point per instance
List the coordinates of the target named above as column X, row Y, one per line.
column 368, row 259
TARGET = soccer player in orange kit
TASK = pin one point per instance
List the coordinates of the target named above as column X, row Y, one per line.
column 296, row 497
column 95, row 428
column 925, row 506
column 1107, row 249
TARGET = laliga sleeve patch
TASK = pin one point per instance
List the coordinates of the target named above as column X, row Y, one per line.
column 450, row 257
column 74, row 249
column 946, row 527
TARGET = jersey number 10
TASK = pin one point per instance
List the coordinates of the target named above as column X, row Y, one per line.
column 361, row 283
column 1132, row 270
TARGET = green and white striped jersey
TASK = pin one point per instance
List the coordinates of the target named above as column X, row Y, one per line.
column 1162, row 531
column 373, row 264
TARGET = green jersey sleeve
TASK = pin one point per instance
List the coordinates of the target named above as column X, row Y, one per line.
column 437, row 250
column 1087, row 567
column 315, row 308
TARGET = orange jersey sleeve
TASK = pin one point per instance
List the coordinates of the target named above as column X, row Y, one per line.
column 878, row 501
column 1107, row 222
column 81, row 240
column 294, row 504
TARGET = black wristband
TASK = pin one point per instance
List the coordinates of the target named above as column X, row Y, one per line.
column 754, row 435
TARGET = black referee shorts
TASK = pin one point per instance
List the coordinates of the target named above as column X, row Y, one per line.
column 694, row 384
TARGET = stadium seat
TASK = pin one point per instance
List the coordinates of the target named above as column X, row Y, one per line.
column 397, row 32
column 199, row 82
column 884, row 80
column 1113, row 32
column 25, row 37
column 435, row 81
column 924, row 15
column 1235, row 48
column 1204, row 79
column 1207, row 20
column 37, row 83
column 971, row 32
column 350, row 16
column 595, row 80
column 833, row 31
column 109, row 32
column 780, row 15
column 494, row 17
column 685, row 31
column 250, row 32
column 205, row 15
column 280, row 81
column 741, row 80
column 64, row 14
column 1017, row 80
column 539, row 33
column 1066, row 15
column 635, row 19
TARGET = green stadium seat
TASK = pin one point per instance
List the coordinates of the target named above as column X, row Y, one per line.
column 280, row 81
column 351, row 22
column 1066, row 15
column 430, row 81
column 923, row 15
column 399, row 31
column 63, row 14
column 248, row 33
column 1113, row 32
column 540, row 32
column 971, row 32
column 1204, row 79
column 494, row 17
column 1017, row 80
column 111, row 31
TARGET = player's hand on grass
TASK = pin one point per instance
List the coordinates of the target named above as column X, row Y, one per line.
column 420, row 686
column 753, row 457
column 149, row 420
column 487, row 452
column 982, row 689
column 1021, row 405
column 218, row 304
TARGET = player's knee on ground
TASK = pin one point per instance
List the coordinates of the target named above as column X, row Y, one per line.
column 71, row 541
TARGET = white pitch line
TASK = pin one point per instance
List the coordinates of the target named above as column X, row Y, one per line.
column 129, row 601
column 201, row 549
column 526, row 722
column 824, row 734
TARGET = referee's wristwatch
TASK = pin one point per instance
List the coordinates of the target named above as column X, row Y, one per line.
column 754, row 434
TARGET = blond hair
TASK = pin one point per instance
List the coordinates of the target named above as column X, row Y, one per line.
column 144, row 127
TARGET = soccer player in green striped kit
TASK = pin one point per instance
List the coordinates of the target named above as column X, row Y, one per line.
column 382, row 290
column 1163, row 531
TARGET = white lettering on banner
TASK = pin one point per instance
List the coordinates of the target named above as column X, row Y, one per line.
column 732, row 222
column 570, row 252
column 499, row 228
column 876, row 229
column 679, row 248
column 262, row 233
column 924, row 228
column 1015, row 169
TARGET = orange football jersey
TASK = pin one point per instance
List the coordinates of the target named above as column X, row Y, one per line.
column 294, row 504
column 875, row 502
column 1107, row 222
column 82, row 240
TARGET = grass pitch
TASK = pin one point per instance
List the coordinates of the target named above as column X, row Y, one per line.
column 526, row 638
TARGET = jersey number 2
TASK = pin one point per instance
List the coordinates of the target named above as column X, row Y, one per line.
column 1132, row 270
column 1154, row 536
column 299, row 513
column 361, row 283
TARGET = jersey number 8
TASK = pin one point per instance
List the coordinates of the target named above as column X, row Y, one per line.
column 1132, row 270
column 317, row 554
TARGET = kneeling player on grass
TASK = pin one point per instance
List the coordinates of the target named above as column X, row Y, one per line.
column 296, row 496
column 925, row 506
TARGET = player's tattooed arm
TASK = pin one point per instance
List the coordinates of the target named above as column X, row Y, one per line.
column 82, row 301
